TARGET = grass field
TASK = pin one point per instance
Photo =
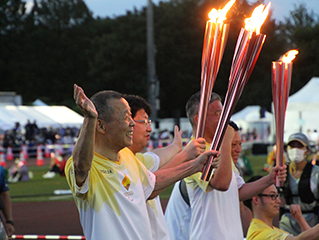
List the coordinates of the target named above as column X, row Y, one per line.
column 40, row 189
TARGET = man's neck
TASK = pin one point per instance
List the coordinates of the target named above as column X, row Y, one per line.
column 264, row 218
column 109, row 153
column 133, row 150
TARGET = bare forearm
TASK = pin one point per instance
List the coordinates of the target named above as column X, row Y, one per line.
column 167, row 153
column 223, row 174
column 311, row 234
column 248, row 190
column 6, row 205
column 178, row 159
column 303, row 224
column 84, row 148
column 168, row 176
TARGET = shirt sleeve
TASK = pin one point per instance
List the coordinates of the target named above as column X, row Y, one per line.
column 240, row 181
column 4, row 185
column 150, row 188
column 150, row 160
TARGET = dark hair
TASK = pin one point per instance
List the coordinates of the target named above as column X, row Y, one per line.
column 192, row 105
column 136, row 103
column 247, row 202
column 233, row 125
column 101, row 102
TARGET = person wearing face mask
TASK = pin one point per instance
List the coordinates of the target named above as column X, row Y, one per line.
column 301, row 185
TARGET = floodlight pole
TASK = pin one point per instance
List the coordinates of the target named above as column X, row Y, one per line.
column 152, row 81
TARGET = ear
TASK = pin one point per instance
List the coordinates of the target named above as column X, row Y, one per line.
column 254, row 200
column 196, row 119
column 100, row 127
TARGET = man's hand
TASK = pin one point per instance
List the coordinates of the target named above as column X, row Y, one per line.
column 278, row 171
column 201, row 160
column 295, row 211
column 195, row 148
column 178, row 138
column 297, row 215
column 216, row 161
column 10, row 229
column 84, row 103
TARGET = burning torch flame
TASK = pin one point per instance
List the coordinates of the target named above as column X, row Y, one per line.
column 257, row 18
column 220, row 15
column 289, row 56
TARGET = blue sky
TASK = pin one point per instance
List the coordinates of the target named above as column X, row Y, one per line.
column 111, row 8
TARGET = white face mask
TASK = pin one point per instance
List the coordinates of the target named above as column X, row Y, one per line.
column 296, row 155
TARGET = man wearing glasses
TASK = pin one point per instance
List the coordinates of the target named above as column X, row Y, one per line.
column 265, row 207
column 167, row 157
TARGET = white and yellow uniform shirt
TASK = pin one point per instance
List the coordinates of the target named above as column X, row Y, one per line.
column 215, row 214
column 112, row 200
column 154, row 207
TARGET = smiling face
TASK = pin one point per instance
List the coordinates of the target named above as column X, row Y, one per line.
column 141, row 133
column 267, row 205
column 120, row 128
column 236, row 147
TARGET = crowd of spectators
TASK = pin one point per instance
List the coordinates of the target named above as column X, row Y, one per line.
column 31, row 136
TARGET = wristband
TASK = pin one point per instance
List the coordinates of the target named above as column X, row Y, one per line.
column 10, row 222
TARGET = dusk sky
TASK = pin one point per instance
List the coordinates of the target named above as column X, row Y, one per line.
column 111, row 8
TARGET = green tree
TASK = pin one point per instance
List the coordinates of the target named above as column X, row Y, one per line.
column 301, row 31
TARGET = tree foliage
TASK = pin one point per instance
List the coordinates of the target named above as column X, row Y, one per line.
column 301, row 31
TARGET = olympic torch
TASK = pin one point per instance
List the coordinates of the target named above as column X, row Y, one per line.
column 248, row 47
column 281, row 81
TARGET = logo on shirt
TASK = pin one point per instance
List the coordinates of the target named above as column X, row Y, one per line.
column 106, row 171
column 126, row 182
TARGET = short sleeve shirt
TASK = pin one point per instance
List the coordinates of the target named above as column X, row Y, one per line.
column 258, row 230
column 112, row 200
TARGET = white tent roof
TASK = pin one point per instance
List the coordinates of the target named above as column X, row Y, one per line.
column 307, row 98
column 251, row 114
column 45, row 116
column 39, row 102
column 248, row 120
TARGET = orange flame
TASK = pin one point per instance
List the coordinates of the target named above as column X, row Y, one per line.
column 257, row 18
column 220, row 15
column 289, row 56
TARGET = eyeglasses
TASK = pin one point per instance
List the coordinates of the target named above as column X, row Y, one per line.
column 145, row 121
column 273, row 196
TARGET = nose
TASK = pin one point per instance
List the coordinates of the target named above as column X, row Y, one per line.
column 278, row 199
column 132, row 123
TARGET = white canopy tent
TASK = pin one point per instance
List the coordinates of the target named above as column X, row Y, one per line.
column 249, row 120
column 303, row 110
column 45, row 116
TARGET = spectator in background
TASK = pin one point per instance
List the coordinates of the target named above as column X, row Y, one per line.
column 57, row 164
column 18, row 172
column 301, row 185
column 271, row 159
column 6, row 225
